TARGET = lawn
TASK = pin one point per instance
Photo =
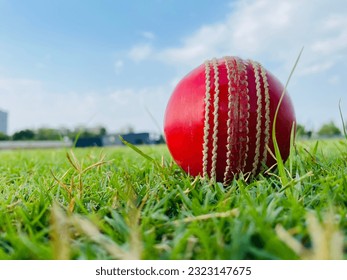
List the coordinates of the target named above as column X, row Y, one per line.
column 116, row 203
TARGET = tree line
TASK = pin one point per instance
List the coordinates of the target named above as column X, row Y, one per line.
column 326, row 130
column 53, row 134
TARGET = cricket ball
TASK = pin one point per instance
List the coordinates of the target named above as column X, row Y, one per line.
column 219, row 119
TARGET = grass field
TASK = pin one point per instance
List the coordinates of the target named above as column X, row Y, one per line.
column 114, row 203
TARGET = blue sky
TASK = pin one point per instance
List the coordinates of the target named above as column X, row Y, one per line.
column 70, row 63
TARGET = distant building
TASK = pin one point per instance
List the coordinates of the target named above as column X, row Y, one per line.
column 138, row 138
column 3, row 121
column 83, row 142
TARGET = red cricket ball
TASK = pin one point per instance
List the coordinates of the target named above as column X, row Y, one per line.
column 219, row 119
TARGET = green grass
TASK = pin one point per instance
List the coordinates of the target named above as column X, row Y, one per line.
column 115, row 203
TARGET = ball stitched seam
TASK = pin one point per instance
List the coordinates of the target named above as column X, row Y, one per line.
column 215, row 119
column 259, row 109
column 244, row 114
column 231, row 76
column 206, row 119
column 267, row 113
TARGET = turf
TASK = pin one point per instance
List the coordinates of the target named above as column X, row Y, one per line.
column 118, row 203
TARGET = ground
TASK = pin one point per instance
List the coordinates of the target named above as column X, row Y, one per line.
column 123, row 203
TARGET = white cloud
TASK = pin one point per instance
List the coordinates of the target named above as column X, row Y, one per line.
column 122, row 96
column 140, row 52
column 196, row 48
column 251, row 28
column 331, row 45
column 255, row 24
column 7, row 84
column 30, row 105
column 334, row 80
column 118, row 66
column 333, row 39
column 316, row 68
column 148, row 35
column 270, row 31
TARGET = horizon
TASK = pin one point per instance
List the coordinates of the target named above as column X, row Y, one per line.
column 116, row 64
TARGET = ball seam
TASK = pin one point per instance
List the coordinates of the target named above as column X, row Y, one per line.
column 244, row 119
column 267, row 113
column 206, row 119
column 215, row 119
column 231, row 90
column 258, row 125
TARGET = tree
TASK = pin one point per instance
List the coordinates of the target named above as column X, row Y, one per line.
column 47, row 134
column 4, row 137
column 329, row 130
column 302, row 132
column 26, row 134
column 103, row 131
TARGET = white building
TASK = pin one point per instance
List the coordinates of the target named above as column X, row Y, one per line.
column 3, row 121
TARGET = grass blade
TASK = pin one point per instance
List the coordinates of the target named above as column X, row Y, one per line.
column 137, row 150
column 343, row 121
column 60, row 234
column 280, row 163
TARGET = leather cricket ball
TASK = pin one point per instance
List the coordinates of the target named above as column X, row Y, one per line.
column 219, row 119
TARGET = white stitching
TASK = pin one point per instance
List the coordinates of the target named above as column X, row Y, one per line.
column 267, row 113
column 258, row 127
column 229, row 129
column 215, row 119
column 243, row 85
column 206, row 122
